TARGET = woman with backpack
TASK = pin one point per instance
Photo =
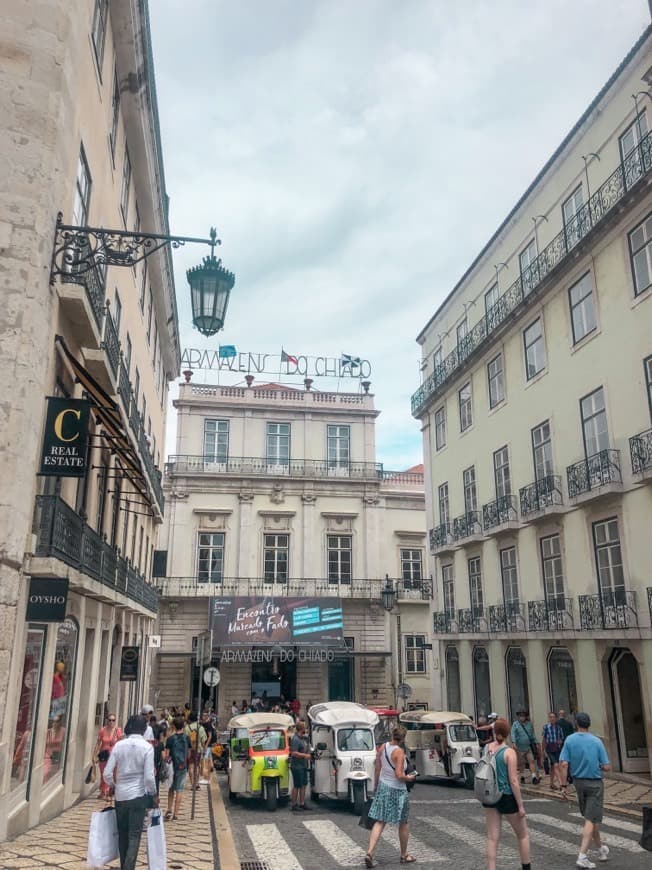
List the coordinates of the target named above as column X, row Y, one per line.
column 510, row 801
column 177, row 753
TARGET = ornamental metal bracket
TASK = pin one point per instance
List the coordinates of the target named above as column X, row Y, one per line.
column 79, row 250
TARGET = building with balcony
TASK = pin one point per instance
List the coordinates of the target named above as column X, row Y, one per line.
column 536, row 407
column 276, row 494
column 80, row 137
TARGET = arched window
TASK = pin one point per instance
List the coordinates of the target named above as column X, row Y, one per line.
column 517, row 688
column 481, row 682
column 453, row 689
column 56, row 741
column 561, row 679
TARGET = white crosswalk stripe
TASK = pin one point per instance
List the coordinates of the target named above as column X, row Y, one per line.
column 613, row 822
column 271, row 847
column 475, row 841
column 610, row 839
column 342, row 849
column 416, row 847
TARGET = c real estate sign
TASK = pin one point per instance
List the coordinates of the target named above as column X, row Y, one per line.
column 249, row 621
column 65, row 438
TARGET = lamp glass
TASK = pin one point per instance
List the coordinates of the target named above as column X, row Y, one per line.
column 210, row 289
column 389, row 595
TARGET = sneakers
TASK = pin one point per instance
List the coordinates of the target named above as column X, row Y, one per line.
column 536, row 780
column 203, row 782
column 604, row 853
column 583, row 861
column 294, row 808
column 304, row 807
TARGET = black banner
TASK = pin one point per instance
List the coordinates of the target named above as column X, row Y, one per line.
column 47, row 599
column 65, row 438
column 129, row 663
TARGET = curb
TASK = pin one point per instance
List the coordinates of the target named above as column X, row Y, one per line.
column 553, row 795
column 226, row 850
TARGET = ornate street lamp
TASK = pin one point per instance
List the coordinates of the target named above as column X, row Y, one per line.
column 389, row 595
column 210, row 288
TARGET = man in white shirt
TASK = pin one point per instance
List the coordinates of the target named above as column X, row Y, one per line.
column 146, row 710
column 135, row 787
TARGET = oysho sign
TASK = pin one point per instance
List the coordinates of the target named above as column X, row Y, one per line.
column 47, row 600
column 65, row 439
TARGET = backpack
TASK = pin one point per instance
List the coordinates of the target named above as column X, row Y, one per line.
column 179, row 751
column 193, row 736
column 485, row 784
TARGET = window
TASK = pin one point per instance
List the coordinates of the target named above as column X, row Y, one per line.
column 150, row 308
column 444, row 514
column 482, row 682
column 82, row 200
column 210, row 561
column 216, row 440
column 518, row 694
column 582, row 308
column 542, row 450
column 470, row 495
column 440, row 427
column 509, row 575
column 339, row 558
column 535, row 351
column 278, row 443
column 128, row 355
column 126, row 184
column 640, row 254
column 143, row 288
column 466, row 409
column 437, row 359
column 572, row 214
column 30, row 686
column 98, row 33
column 629, row 151
column 117, row 312
column 462, row 330
column 609, row 559
column 647, row 368
column 63, row 679
column 527, row 264
column 453, row 683
column 275, row 558
column 136, row 386
column 339, row 446
column 561, row 679
column 553, row 573
column 415, row 654
column 115, row 113
column 594, row 423
column 144, row 414
column 501, row 473
column 490, row 298
column 475, row 586
column 411, row 568
column 496, row 381
column 448, row 584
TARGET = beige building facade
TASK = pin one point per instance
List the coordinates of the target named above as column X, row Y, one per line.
column 80, row 137
column 536, row 407
column 275, row 495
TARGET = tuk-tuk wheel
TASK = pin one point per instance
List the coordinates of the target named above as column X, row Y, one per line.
column 314, row 796
column 358, row 798
column 271, row 794
column 233, row 797
column 469, row 776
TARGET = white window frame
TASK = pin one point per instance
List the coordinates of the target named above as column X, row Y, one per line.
column 542, row 450
column 415, row 654
column 277, row 443
column 338, row 446
column 277, row 548
column 534, row 350
column 411, row 566
column 593, row 410
column 641, row 252
column 83, row 187
column 465, row 406
column 339, row 558
column 608, row 552
column 217, row 430
column 526, row 257
column 552, row 568
column 509, row 575
column 98, row 31
column 570, row 211
column 584, row 307
column 491, row 298
column 476, row 593
column 469, row 489
column 444, row 503
column 440, row 428
column 502, row 473
column 212, row 543
column 496, row 381
column 448, row 590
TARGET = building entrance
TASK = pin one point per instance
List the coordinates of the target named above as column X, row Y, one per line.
column 275, row 680
column 630, row 720
column 340, row 680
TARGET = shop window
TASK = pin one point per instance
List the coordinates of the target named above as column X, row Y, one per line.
column 21, row 764
column 453, row 685
column 481, row 682
column 561, row 679
column 517, row 686
column 56, row 740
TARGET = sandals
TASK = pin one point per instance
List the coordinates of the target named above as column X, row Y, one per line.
column 369, row 861
column 168, row 816
column 408, row 859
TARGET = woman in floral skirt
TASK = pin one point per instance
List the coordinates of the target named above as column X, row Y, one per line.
column 391, row 802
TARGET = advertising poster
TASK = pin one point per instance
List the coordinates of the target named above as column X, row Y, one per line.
column 249, row 621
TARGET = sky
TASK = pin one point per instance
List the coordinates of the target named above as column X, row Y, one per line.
column 355, row 155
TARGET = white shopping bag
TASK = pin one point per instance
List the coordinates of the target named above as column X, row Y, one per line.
column 102, row 838
column 156, row 848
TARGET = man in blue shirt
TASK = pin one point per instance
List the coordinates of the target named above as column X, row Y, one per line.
column 587, row 758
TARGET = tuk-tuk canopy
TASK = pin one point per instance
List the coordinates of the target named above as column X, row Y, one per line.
column 335, row 713
column 385, row 712
column 431, row 717
column 258, row 721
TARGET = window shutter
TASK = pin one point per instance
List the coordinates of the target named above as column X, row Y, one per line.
column 160, row 564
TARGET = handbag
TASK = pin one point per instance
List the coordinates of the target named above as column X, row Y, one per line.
column 156, row 846
column 90, row 776
column 102, row 838
column 365, row 821
column 103, row 755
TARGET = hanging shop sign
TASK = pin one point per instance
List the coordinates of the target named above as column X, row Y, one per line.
column 65, row 439
column 129, row 663
column 228, row 359
column 47, row 600
column 247, row 621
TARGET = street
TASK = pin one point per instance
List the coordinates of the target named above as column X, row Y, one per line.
column 446, row 826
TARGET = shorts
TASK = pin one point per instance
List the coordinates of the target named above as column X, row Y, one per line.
column 178, row 780
column 590, row 796
column 553, row 757
column 506, row 806
column 299, row 777
column 207, row 753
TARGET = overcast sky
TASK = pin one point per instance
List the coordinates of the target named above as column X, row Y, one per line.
column 355, row 155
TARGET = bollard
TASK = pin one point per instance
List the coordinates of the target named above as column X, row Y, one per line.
column 646, row 834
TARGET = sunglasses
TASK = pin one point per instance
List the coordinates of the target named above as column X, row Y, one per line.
column 111, row 720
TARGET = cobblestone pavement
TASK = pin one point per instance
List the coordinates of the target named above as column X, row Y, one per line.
column 626, row 795
column 61, row 844
column 447, row 828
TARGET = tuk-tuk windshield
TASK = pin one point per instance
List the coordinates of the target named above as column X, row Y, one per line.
column 355, row 739
column 462, row 733
column 264, row 741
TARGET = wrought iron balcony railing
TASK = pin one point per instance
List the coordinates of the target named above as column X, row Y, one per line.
column 274, row 467
column 64, row 535
column 124, row 387
column 440, row 536
column 443, row 622
column 92, row 279
column 111, row 343
column 640, row 451
column 543, row 493
column 551, row 614
column 593, row 472
column 497, row 513
column 466, row 525
column 612, row 608
column 471, row 620
column 507, row 617
column 589, row 216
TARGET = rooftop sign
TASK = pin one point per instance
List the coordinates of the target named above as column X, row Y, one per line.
column 227, row 359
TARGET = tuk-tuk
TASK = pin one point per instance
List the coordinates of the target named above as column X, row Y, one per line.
column 344, row 752
column 442, row 745
column 388, row 719
column 258, row 756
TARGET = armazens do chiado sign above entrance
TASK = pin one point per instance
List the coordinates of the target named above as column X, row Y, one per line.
column 227, row 358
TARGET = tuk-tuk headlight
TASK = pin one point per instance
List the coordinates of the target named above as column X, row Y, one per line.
column 357, row 764
column 468, row 751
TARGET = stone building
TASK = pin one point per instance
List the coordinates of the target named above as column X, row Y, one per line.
column 536, row 408
column 80, row 136
column 275, row 494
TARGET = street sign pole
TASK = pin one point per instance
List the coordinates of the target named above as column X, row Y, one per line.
column 203, row 657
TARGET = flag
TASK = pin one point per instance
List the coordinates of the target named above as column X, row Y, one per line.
column 226, row 351
column 286, row 358
column 349, row 361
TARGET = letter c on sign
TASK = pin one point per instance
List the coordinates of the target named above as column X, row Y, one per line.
column 58, row 424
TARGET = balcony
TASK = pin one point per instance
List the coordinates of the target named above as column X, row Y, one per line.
column 443, row 622
column 471, row 620
column 500, row 515
column 507, row 617
column 640, row 451
column 441, row 539
column 611, row 609
column 590, row 219
column 63, row 535
column 595, row 476
column 467, row 528
column 297, row 468
column 104, row 364
column 82, row 302
column 312, row 587
column 412, row 480
column 543, row 498
column 552, row 614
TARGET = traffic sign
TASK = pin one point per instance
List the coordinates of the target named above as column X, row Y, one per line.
column 211, row 677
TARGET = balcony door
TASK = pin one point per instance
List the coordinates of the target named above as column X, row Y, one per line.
column 629, row 712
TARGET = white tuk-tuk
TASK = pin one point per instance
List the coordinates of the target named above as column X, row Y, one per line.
column 344, row 752
column 442, row 745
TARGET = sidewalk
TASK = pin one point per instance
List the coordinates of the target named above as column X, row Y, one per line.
column 61, row 844
column 622, row 793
